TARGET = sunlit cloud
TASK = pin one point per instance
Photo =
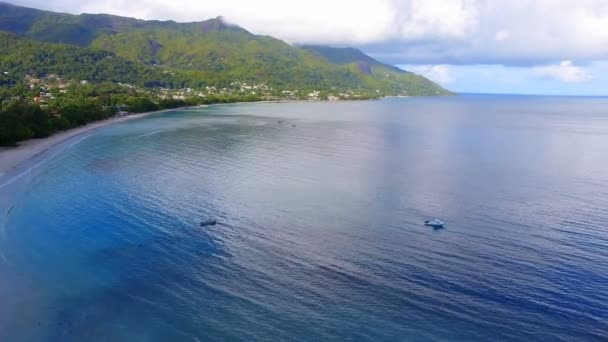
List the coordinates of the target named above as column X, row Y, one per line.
column 502, row 35
column 565, row 71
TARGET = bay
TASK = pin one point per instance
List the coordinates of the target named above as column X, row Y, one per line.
column 320, row 235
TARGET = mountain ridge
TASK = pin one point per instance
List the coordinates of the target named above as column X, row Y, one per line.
column 215, row 51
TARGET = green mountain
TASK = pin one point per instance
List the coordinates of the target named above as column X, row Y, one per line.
column 345, row 56
column 101, row 47
column 20, row 57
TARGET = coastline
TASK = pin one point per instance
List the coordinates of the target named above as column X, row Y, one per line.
column 12, row 157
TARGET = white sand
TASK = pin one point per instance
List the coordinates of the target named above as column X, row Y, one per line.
column 11, row 157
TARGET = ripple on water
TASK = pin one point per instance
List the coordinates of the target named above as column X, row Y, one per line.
column 319, row 234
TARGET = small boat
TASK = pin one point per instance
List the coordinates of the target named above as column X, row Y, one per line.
column 209, row 222
column 435, row 223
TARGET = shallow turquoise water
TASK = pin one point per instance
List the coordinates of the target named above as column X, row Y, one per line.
column 320, row 208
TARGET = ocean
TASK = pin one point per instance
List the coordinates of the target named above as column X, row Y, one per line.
column 320, row 236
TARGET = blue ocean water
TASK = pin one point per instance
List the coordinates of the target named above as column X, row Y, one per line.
column 319, row 237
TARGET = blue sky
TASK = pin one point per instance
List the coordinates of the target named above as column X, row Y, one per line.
column 490, row 46
column 592, row 79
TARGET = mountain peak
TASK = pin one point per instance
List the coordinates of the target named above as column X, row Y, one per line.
column 219, row 24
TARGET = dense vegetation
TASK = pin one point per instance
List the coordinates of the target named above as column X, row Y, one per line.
column 82, row 104
column 20, row 57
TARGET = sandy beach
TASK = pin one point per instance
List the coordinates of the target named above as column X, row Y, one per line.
column 11, row 157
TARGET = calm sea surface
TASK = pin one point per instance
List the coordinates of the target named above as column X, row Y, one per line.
column 320, row 237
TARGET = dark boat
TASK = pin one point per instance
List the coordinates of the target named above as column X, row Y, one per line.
column 209, row 222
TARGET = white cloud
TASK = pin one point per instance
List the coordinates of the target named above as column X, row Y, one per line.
column 438, row 73
column 435, row 19
column 502, row 35
column 511, row 32
column 295, row 21
column 335, row 21
column 565, row 71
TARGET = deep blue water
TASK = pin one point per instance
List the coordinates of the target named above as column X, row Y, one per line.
column 320, row 236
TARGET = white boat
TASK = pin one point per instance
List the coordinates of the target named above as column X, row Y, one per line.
column 435, row 223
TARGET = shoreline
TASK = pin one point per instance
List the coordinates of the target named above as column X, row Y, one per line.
column 12, row 157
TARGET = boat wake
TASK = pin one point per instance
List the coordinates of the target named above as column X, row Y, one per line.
column 148, row 134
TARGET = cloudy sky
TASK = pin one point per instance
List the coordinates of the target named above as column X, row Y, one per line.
column 496, row 46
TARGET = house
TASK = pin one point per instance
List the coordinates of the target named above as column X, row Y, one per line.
column 46, row 95
column 314, row 95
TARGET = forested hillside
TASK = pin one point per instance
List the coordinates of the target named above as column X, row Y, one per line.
column 197, row 54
